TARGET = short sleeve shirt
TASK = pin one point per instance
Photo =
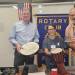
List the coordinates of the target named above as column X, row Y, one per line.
column 58, row 42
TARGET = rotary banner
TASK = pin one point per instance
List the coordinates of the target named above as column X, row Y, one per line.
column 60, row 21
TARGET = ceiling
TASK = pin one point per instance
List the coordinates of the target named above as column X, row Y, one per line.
column 34, row 1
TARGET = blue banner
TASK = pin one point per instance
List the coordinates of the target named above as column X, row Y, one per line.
column 60, row 21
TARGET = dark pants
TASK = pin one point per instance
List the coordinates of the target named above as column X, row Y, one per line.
column 50, row 62
column 21, row 60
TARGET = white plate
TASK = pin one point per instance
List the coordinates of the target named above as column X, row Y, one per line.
column 29, row 48
column 56, row 50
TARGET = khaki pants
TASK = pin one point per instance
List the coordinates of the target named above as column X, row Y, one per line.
column 72, row 60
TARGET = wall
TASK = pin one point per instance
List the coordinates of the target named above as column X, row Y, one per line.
column 7, row 17
column 52, row 8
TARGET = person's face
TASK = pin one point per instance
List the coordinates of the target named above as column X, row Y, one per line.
column 72, row 16
column 26, row 16
column 51, row 32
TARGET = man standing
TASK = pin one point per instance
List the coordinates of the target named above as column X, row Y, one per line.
column 70, row 34
column 23, row 32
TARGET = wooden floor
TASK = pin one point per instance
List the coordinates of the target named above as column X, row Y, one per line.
column 70, row 69
column 37, row 73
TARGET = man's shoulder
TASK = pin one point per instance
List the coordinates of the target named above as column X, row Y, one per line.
column 19, row 22
column 33, row 24
column 69, row 26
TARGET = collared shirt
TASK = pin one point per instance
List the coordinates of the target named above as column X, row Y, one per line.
column 57, row 42
column 23, row 33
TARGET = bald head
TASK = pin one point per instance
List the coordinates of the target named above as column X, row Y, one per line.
column 72, row 15
column 72, row 11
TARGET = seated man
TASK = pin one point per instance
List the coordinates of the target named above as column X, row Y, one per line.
column 53, row 40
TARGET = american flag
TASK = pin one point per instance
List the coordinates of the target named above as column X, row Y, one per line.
column 21, row 8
